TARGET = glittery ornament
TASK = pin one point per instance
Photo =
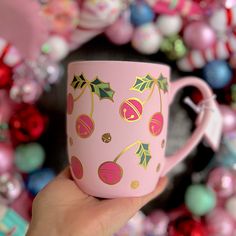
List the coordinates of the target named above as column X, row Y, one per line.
column 6, row 158
column 173, row 47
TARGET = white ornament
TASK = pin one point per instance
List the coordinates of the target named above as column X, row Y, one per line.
column 146, row 39
column 169, row 25
column 231, row 206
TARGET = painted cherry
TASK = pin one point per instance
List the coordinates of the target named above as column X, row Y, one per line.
column 110, row 173
column 131, row 109
column 156, row 124
column 76, row 167
column 84, row 126
column 70, row 103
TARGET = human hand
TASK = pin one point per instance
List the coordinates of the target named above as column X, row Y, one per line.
column 62, row 209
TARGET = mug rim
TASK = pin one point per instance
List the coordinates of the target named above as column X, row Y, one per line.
column 121, row 62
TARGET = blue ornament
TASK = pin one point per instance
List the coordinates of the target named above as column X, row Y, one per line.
column 141, row 14
column 218, row 74
column 39, row 179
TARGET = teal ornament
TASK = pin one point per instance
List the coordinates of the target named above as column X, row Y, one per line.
column 200, row 199
column 29, row 157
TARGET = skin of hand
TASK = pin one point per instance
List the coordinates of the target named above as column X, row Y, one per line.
column 62, row 209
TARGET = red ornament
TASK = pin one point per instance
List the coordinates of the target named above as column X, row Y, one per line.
column 5, row 76
column 186, row 226
column 156, row 124
column 27, row 124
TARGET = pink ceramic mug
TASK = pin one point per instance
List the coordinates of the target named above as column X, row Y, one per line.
column 117, row 119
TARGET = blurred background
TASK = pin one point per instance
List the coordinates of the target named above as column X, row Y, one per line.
column 193, row 37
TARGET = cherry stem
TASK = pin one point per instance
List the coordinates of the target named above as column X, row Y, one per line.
column 82, row 92
column 92, row 105
column 125, row 150
column 150, row 94
column 159, row 90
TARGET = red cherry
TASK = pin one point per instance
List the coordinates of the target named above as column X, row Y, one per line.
column 76, row 167
column 84, row 126
column 131, row 109
column 5, row 76
column 156, row 124
column 110, row 173
column 70, row 103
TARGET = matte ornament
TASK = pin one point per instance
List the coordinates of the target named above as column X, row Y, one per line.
column 76, row 167
column 156, row 124
column 84, row 126
column 110, row 173
column 199, row 199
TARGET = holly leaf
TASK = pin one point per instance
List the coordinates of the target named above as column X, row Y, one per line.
column 102, row 89
column 143, row 153
column 143, row 83
column 162, row 83
column 78, row 81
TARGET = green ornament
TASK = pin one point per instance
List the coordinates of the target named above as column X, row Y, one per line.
column 173, row 47
column 29, row 157
column 200, row 199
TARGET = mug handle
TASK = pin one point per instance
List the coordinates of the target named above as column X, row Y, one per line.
column 196, row 137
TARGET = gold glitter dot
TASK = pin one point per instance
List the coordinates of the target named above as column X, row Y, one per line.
column 158, row 167
column 71, row 141
column 106, row 138
column 134, row 184
column 163, row 143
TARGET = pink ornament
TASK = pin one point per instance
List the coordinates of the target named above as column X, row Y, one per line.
column 120, row 32
column 110, row 173
column 156, row 124
column 131, row 110
column 6, row 158
column 222, row 181
column 6, row 107
column 76, row 167
column 84, row 126
column 228, row 3
column 219, row 223
column 230, row 206
column 229, row 118
column 199, row 35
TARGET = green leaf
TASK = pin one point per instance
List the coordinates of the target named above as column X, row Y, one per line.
column 143, row 83
column 144, row 154
column 78, row 81
column 102, row 89
column 162, row 83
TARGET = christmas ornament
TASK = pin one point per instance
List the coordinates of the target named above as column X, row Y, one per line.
column 229, row 121
column 218, row 74
column 6, row 157
column 199, row 35
column 230, row 207
column 39, row 179
column 174, row 23
column 219, row 222
column 146, row 39
column 84, row 126
column 141, row 13
column 29, row 157
column 173, row 47
column 199, row 199
column 222, row 181
column 186, row 226
column 5, row 76
column 27, row 124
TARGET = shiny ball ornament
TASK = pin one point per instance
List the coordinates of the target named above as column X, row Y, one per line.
column 141, row 13
column 169, row 24
column 219, row 223
column 131, row 110
column 230, row 206
column 222, row 181
column 29, row 157
column 146, row 39
column 229, row 118
column 39, row 179
column 200, row 199
column 199, row 35
column 6, row 158
column 186, row 226
column 218, row 74
column 84, row 126
column 120, row 32
column 173, row 47
column 5, row 76
column 11, row 187
column 58, row 47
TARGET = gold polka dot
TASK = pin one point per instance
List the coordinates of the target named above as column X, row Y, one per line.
column 71, row 141
column 106, row 138
column 134, row 184
column 158, row 167
column 163, row 143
